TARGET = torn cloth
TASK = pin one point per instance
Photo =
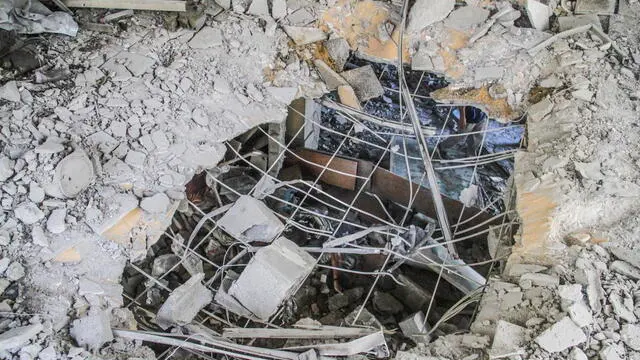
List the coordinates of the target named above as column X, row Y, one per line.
column 31, row 17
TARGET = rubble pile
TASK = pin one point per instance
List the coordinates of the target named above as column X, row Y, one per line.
column 586, row 308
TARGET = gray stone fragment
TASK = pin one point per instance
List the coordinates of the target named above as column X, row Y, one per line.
column 621, row 309
column 538, row 111
column 538, row 13
column 6, row 168
column 624, row 268
column 338, row 50
column 426, row 12
column 259, row 8
column 386, row 303
column 538, row 279
column 250, row 220
column 36, row 193
column 415, row 328
column 411, row 294
column 560, row 336
column 598, row 7
column 156, row 204
column 272, row 276
column 364, row 82
column 9, row 91
column 28, row 213
column 508, row 340
column 279, row 9
column 184, row 303
column 577, row 354
column 15, row 338
column 331, row 78
column 207, row 37
column 56, row 221
column 466, row 17
column 628, row 255
column 14, row 272
column 92, row 331
column 304, row 35
column 609, row 352
column 571, row 22
column 164, row 263
column 630, row 335
column 580, row 314
column 4, row 264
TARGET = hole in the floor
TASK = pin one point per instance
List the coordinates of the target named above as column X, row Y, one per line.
column 335, row 184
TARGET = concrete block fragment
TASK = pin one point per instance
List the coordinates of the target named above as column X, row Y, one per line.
column 609, row 352
column 571, row 22
column 207, row 37
column 508, row 340
column 17, row 337
column 621, row 309
column 628, row 255
column 92, row 331
column 580, row 314
column 158, row 203
column 577, row 354
column 624, row 268
column 279, row 9
column 331, row 78
column 426, row 12
column 538, row 279
column 272, row 276
column 250, row 220
column 630, row 335
column 28, row 213
column 515, row 271
column 339, row 51
column 364, row 82
column 9, row 91
column 6, row 168
column 538, row 14
column 411, row 294
column 95, row 291
column 570, row 294
column 538, row 111
column 259, row 8
column 488, row 73
column 283, row 94
column 56, row 222
column 466, row 17
column 560, row 336
column 184, row 303
column 415, row 328
column 597, row 7
column 304, row 35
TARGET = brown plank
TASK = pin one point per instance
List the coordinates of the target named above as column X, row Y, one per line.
column 340, row 172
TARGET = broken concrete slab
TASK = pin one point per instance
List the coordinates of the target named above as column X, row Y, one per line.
column 17, row 337
column 156, row 204
column 426, row 12
column 580, row 314
column 74, row 173
column 92, row 331
column 538, row 279
column 28, row 212
column 515, row 271
column 466, row 17
column 560, row 336
column 56, row 222
column 630, row 335
column 348, row 97
column 339, row 51
column 630, row 256
column 624, row 268
column 597, row 7
column 251, row 220
column 272, row 276
column 610, row 352
column 279, row 9
column 305, row 35
column 184, row 303
column 259, row 8
column 571, row 22
column 364, row 82
column 6, row 168
column 577, row 354
column 415, row 328
column 207, row 37
column 538, row 13
column 9, row 92
column 331, row 78
column 539, row 110
column 508, row 340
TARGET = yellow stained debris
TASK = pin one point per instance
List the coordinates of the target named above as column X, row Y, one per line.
column 496, row 108
column 348, row 97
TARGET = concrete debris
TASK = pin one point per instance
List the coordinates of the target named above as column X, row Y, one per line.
column 259, row 8
column 251, row 220
column 184, row 303
column 630, row 335
column 598, row 7
column 92, row 331
column 305, row 35
column 348, row 97
column 609, row 352
column 538, row 279
column 272, row 276
column 331, row 78
column 15, row 338
column 9, row 92
column 6, row 168
column 624, row 268
column 207, row 37
column 466, row 17
column 364, row 82
column 571, row 22
column 339, row 51
column 56, row 223
column 580, row 314
column 415, row 327
column 560, row 336
column 158, row 203
column 508, row 340
column 538, row 14
column 279, row 9
column 577, row 354
column 74, row 173
column 28, row 213
column 424, row 13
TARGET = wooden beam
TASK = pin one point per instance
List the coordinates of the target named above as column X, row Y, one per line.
column 158, row 5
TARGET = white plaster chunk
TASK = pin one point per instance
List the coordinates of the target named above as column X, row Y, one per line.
column 560, row 336
column 9, row 91
column 259, row 8
column 538, row 279
column 279, row 9
column 272, row 276
column 39, row 237
column 50, row 146
column 628, row 255
column 56, row 221
column 135, row 159
column 580, row 314
column 538, row 14
column 466, row 17
column 577, row 354
column 6, row 168
column 28, row 213
column 624, row 268
column 283, row 94
column 305, row 35
column 426, row 12
column 158, row 203
column 36, row 193
column 4, row 264
column 15, row 338
column 92, row 331
column 251, row 220
column 207, row 37
column 14, row 272
column 630, row 335
column 508, row 340
column 74, row 173
column 184, row 303
column 609, row 352
column 621, row 309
